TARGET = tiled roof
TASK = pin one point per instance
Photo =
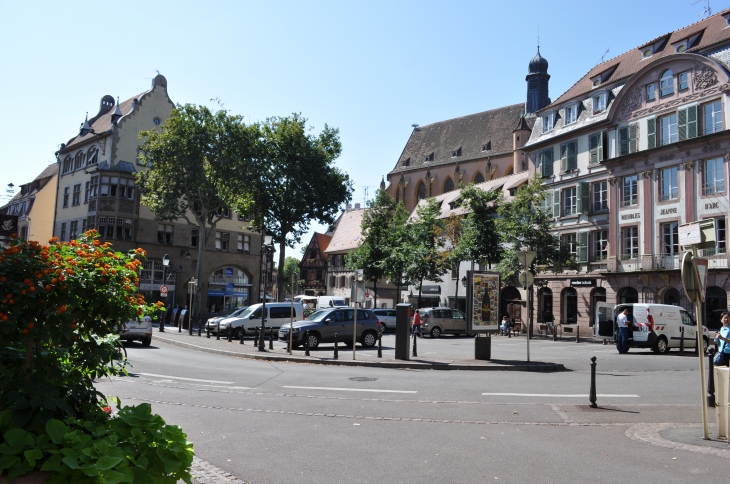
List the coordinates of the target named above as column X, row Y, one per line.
column 470, row 133
column 323, row 240
column 711, row 29
column 50, row 171
column 348, row 234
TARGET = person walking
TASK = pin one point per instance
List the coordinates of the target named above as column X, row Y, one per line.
column 722, row 339
column 416, row 324
column 623, row 331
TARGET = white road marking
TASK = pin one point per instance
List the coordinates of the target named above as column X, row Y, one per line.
column 352, row 389
column 230, row 388
column 566, row 395
column 186, row 379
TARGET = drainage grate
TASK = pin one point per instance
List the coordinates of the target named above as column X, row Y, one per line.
column 362, row 378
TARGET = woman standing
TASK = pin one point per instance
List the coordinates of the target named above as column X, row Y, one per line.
column 722, row 339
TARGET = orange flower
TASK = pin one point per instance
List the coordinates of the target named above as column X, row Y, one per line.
column 32, row 289
column 53, row 240
column 22, row 291
column 30, row 325
column 54, row 280
column 48, row 287
column 25, row 331
column 14, row 236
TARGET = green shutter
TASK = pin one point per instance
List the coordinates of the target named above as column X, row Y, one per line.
column 692, row 122
column 600, row 146
column 556, row 203
column 651, row 132
column 593, row 148
column 546, row 162
column 582, row 247
column 682, row 124
column 623, row 141
column 572, row 158
column 583, row 197
column 564, row 157
column 547, row 203
column 633, row 136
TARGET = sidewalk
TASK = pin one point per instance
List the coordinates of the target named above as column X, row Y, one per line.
column 324, row 355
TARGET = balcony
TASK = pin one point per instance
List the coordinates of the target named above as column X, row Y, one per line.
column 663, row 262
column 225, row 280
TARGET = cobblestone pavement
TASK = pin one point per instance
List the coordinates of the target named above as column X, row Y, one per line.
column 654, row 434
column 206, row 473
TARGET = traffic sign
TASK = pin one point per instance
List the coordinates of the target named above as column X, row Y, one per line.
column 701, row 266
column 163, row 290
column 526, row 257
column 689, row 277
column 526, row 279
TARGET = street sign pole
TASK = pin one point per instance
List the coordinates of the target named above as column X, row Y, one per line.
column 526, row 257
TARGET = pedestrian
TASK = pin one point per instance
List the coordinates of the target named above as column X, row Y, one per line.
column 722, row 340
column 416, row 322
column 623, row 331
column 504, row 327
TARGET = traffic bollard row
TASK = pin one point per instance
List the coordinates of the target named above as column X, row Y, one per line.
column 256, row 336
column 592, row 396
column 337, row 356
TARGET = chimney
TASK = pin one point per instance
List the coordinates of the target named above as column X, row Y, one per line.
column 348, row 206
column 357, row 205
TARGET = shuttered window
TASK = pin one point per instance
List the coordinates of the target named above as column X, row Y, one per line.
column 651, row 133
column 568, row 158
column 687, row 122
column 627, row 139
column 546, row 162
column 582, row 249
column 595, row 147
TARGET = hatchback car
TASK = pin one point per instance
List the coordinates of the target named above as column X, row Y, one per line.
column 138, row 330
column 323, row 324
column 212, row 323
column 386, row 317
column 438, row 321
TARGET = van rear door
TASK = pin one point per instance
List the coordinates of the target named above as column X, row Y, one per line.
column 603, row 327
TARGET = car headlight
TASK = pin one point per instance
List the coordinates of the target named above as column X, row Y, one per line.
column 225, row 325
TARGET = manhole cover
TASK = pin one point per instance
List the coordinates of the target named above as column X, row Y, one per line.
column 362, row 378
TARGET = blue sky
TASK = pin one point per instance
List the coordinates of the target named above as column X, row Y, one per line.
column 370, row 69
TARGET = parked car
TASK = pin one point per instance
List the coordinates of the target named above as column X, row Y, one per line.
column 330, row 301
column 138, row 330
column 438, row 321
column 212, row 323
column 324, row 323
column 279, row 313
column 386, row 316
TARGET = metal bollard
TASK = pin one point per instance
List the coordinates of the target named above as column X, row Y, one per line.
column 577, row 334
column 230, row 333
column 256, row 336
column 200, row 328
column 509, row 331
column 681, row 341
column 190, row 325
column 336, row 349
column 288, row 344
column 271, row 338
column 218, row 333
column 592, row 396
column 179, row 325
column 415, row 346
column 555, row 332
column 306, row 343
column 697, row 348
column 207, row 331
column 242, row 332
column 380, row 344
column 711, row 378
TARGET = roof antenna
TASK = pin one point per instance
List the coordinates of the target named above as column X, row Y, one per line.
column 707, row 10
column 538, row 38
column 604, row 54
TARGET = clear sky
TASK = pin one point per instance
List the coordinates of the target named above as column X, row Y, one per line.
column 369, row 68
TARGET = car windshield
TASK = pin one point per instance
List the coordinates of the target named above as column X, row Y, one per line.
column 318, row 315
column 247, row 312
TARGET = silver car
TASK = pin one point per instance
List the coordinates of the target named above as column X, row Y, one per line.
column 438, row 321
column 138, row 330
column 212, row 323
column 386, row 316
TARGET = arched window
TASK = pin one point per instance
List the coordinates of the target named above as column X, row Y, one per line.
column 647, row 295
column 421, row 192
column 666, row 82
column 545, row 305
column 92, row 156
column 570, row 306
column 671, row 296
column 67, row 164
column 449, row 185
column 628, row 295
column 79, row 160
column 479, row 178
column 716, row 299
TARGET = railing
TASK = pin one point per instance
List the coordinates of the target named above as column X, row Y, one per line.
column 713, row 188
column 224, row 280
column 659, row 262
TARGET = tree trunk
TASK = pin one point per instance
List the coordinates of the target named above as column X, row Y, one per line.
column 375, row 294
column 456, row 292
column 280, row 272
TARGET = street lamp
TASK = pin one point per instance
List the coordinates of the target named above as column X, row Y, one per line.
column 267, row 249
column 165, row 263
column 192, row 286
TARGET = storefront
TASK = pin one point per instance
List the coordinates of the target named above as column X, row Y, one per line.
column 229, row 288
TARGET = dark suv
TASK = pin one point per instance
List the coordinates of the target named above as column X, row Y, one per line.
column 324, row 323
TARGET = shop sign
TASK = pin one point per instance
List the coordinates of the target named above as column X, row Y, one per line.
column 583, row 282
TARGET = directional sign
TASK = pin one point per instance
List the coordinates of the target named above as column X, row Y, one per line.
column 526, row 257
column 526, row 279
column 163, row 290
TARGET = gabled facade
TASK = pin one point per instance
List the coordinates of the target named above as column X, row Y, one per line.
column 313, row 266
column 34, row 206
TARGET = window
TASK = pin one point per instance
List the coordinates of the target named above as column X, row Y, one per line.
column 595, row 147
column 570, row 202
column 244, row 218
column 194, row 238
column 152, row 272
column 627, row 139
column 687, row 122
column 670, row 238
column 599, row 103
column 683, row 80
column 669, row 129
column 63, row 232
column 720, row 237
column 83, row 226
column 456, row 152
column 65, row 196
column 86, row 192
column 164, row 233
column 67, row 164
column 547, row 123
column 571, row 114
column 600, row 196
column 545, row 159
column 157, row 121
column 485, row 147
column 92, row 156
column 429, row 157
column 93, row 186
column 224, row 212
column 630, row 246
column 647, row 52
column 714, row 177
column 600, row 245
column 79, row 161
column 244, row 243
column 449, row 185
column 571, row 242
column 110, row 228
column 221, row 241
column 126, row 188
column 73, row 230
column 421, row 192
column 712, row 113
column 666, row 83
column 631, row 191
column 479, row 178
column 407, row 162
column 76, row 200
column 669, row 188
column 568, row 158
column 651, row 92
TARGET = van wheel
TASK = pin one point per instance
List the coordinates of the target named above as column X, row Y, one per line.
column 436, row 332
column 661, row 346
column 369, row 339
column 237, row 333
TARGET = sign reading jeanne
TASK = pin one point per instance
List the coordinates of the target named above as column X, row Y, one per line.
column 483, row 301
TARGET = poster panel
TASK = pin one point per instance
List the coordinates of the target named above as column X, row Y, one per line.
column 483, row 301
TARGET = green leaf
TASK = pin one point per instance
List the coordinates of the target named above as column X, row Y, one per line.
column 7, row 461
column 108, row 462
column 19, row 438
column 56, row 430
column 53, row 464
column 32, row 456
column 114, row 477
column 71, row 462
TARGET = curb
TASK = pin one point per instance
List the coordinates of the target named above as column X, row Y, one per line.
column 535, row 367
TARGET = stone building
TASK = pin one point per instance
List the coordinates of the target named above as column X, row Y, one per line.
column 96, row 189
column 34, row 206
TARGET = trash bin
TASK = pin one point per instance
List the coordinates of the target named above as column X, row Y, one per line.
column 483, row 347
column 402, row 331
column 722, row 374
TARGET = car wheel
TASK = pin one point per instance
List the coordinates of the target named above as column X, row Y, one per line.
column 313, row 341
column 661, row 346
column 147, row 341
column 369, row 339
column 436, row 332
column 237, row 333
column 383, row 328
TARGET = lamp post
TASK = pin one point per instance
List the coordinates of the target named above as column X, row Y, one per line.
column 267, row 249
column 192, row 286
column 165, row 263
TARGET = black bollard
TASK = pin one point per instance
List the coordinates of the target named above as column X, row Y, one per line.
column 262, row 336
column 415, row 346
column 306, row 343
column 241, row 335
column 256, row 336
column 711, row 378
column 207, row 331
column 509, row 332
column 697, row 348
column 555, row 332
column 681, row 340
column 380, row 344
column 337, row 356
column 230, row 333
column 190, row 325
column 592, row 396
column 577, row 334
column 200, row 328
column 218, row 333
column 271, row 338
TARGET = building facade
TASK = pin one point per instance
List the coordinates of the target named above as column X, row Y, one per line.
column 34, row 206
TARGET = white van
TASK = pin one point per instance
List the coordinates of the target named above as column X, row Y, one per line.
column 655, row 326
column 324, row 302
column 278, row 314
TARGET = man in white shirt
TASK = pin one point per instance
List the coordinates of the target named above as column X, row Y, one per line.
column 623, row 322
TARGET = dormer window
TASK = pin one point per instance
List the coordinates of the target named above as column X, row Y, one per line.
column 429, row 157
column 596, row 82
column 456, row 152
column 407, row 162
column 647, row 52
column 681, row 47
column 571, row 114
column 666, row 83
column 727, row 20
column 547, row 122
column 487, row 146
column 599, row 102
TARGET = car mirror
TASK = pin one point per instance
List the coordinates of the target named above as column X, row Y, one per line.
column 327, row 320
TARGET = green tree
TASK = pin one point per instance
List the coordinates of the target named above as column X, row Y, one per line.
column 397, row 249
column 190, row 162
column 481, row 239
column 455, row 251
column 293, row 182
column 423, row 246
column 291, row 266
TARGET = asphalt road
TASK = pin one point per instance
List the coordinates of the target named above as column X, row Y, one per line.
column 277, row 422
